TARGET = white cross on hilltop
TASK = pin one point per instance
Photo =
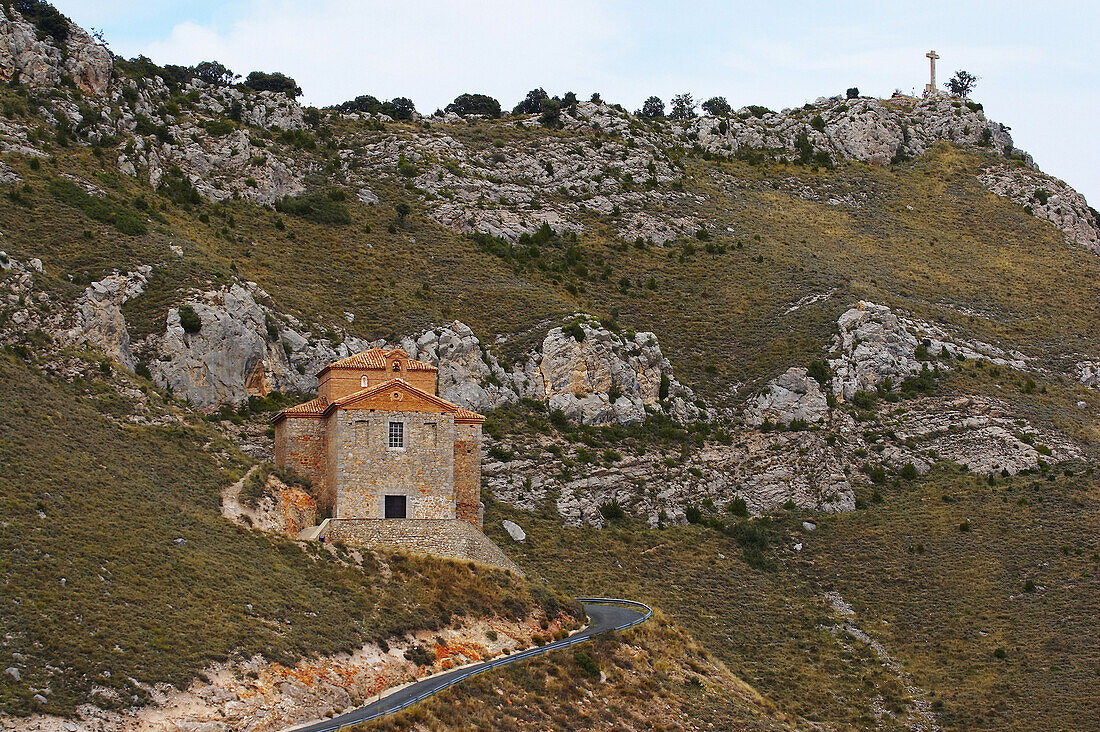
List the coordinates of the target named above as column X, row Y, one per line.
column 931, row 88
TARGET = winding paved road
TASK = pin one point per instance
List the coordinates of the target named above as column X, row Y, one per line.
column 604, row 614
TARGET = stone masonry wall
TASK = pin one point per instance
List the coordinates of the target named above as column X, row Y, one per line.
column 448, row 538
column 467, row 472
column 300, row 446
column 366, row 468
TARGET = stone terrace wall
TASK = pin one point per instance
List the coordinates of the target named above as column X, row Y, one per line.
column 448, row 538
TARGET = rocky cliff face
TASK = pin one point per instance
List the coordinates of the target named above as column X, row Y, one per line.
column 98, row 318
column 245, row 348
column 876, row 346
column 1047, row 198
column 42, row 62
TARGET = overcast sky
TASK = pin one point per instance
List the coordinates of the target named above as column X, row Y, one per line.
column 1038, row 61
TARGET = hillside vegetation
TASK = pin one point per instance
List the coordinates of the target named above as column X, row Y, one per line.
column 133, row 196
column 118, row 570
column 988, row 627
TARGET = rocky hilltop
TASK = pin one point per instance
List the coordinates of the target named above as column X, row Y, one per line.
column 521, row 184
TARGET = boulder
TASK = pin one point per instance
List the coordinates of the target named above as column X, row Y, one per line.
column 99, row 319
column 792, row 396
column 514, row 530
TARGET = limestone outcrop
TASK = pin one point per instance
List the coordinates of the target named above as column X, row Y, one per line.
column 244, row 347
column 1088, row 373
column 235, row 354
column 875, row 346
column 509, row 190
column 793, row 396
column 469, row 375
column 817, row 468
column 43, row 61
column 605, row 377
column 98, row 314
column 1047, row 198
column 875, row 131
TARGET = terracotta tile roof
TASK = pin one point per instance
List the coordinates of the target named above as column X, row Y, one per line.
column 319, row 407
column 465, row 415
column 376, row 359
column 312, row 408
column 461, row 415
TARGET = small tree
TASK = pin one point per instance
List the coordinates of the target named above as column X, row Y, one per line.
column 653, row 108
column 551, row 113
column 399, row 108
column 532, row 103
column 403, row 210
column 717, row 107
column 853, row 92
column 214, row 73
column 482, row 104
column 683, row 107
column 961, row 84
column 273, row 82
column 595, row 98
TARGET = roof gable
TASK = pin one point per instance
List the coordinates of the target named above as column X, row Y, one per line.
column 397, row 395
column 377, row 359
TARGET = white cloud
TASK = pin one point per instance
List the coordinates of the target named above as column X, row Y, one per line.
column 338, row 49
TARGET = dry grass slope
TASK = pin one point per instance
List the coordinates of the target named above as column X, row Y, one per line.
column 117, row 563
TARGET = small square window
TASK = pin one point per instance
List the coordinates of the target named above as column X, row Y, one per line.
column 397, row 434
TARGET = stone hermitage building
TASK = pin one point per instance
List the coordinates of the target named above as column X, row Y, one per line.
column 377, row 443
column 394, row 466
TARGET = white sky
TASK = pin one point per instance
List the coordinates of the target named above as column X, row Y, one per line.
column 1038, row 61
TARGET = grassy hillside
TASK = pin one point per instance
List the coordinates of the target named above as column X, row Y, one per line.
column 651, row 677
column 992, row 623
column 117, row 563
column 926, row 237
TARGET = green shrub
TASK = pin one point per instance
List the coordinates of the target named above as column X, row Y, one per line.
column 274, row 82
column 819, row 371
column 501, row 453
column 574, row 329
column 482, row 104
column 738, row 507
column 864, row 399
column 909, row 471
column 818, row 123
column 693, row 514
column 218, row 127
column 753, row 538
column 612, row 511
column 420, row 656
column 317, row 206
column 586, row 663
column 189, row 319
column 122, row 218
